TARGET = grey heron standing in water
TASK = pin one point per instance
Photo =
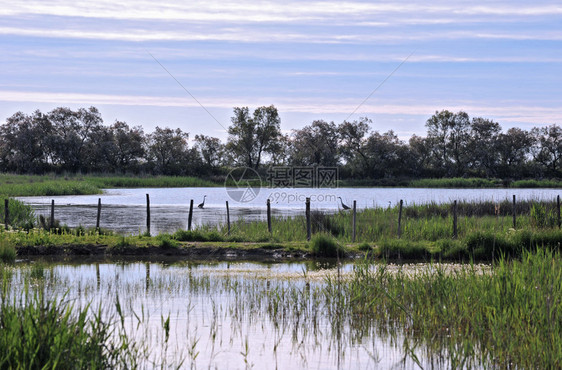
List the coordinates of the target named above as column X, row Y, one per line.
column 201, row 205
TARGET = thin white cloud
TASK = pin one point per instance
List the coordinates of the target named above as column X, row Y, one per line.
column 265, row 36
column 264, row 11
column 508, row 112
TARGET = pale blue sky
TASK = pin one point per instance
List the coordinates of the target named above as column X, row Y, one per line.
column 312, row 60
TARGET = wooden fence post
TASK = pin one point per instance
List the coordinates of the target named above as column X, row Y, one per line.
column 6, row 213
column 400, row 219
column 190, row 216
column 148, row 214
column 308, row 231
column 227, row 217
column 99, row 215
column 455, row 220
column 354, row 220
column 269, row 216
column 52, row 221
column 514, row 213
column 558, row 208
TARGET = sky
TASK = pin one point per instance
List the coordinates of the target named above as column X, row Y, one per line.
column 187, row 64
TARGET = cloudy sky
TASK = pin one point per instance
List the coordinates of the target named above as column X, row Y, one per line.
column 312, row 60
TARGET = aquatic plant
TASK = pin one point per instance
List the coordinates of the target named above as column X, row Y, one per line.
column 7, row 251
column 38, row 332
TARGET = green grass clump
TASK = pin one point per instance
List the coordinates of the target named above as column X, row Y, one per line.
column 365, row 247
column 198, row 236
column 166, row 241
column 42, row 333
column 536, row 184
column 398, row 248
column 7, row 252
column 456, row 182
column 324, row 245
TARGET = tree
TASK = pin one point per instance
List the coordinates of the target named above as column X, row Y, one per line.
column 548, row 151
column 448, row 133
column 129, row 146
column 386, row 155
column 352, row 139
column 513, row 149
column 420, row 150
column 315, row 145
column 24, row 143
column 99, row 150
column 483, row 146
column 252, row 138
column 210, row 149
column 71, row 132
column 168, row 151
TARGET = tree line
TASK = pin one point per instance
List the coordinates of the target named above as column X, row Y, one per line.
column 65, row 140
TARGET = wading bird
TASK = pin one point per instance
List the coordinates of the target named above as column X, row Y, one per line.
column 201, row 205
column 343, row 205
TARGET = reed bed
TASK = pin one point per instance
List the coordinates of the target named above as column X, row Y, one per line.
column 39, row 332
column 436, row 315
column 509, row 318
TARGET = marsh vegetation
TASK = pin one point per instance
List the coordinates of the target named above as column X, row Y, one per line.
column 210, row 314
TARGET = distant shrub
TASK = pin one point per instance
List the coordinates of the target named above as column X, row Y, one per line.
column 324, row 245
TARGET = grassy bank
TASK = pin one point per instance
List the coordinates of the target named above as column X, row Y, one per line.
column 453, row 182
column 48, row 185
column 484, row 232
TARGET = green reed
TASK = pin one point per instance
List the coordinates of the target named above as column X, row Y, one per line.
column 7, row 252
column 41, row 332
column 510, row 317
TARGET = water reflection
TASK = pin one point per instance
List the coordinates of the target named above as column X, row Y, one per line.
column 232, row 314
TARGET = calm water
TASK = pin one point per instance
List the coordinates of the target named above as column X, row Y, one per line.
column 228, row 315
column 124, row 210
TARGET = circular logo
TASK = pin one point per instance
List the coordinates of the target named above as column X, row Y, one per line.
column 242, row 184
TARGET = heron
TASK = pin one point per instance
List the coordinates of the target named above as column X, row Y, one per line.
column 343, row 205
column 201, row 205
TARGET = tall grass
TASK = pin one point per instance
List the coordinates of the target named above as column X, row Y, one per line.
column 509, row 318
column 21, row 215
column 456, row 182
column 7, row 252
column 40, row 333
column 536, row 184
column 148, row 182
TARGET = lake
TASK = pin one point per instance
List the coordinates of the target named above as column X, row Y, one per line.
column 229, row 315
column 124, row 210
